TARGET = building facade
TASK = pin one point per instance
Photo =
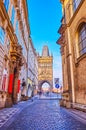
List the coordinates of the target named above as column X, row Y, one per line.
column 14, row 41
column 32, row 70
column 73, row 52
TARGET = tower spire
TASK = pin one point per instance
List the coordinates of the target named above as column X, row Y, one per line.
column 45, row 51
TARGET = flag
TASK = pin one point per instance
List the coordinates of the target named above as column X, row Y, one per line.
column 10, row 83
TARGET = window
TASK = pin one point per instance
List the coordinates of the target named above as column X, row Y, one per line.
column 13, row 15
column 6, row 4
column 2, row 35
column 82, row 39
column 76, row 4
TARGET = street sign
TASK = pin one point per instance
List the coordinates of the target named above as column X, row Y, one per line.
column 57, row 86
column 56, row 80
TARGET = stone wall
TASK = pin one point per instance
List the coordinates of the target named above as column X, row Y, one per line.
column 2, row 99
column 81, row 74
column 81, row 82
column 81, row 97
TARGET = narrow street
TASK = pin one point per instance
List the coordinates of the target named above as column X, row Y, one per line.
column 39, row 114
column 42, row 65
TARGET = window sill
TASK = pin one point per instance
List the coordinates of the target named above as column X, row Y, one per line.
column 80, row 58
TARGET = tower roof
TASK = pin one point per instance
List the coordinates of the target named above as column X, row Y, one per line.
column 45, row 51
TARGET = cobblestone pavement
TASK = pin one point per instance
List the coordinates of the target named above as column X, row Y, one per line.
column 49, row 96
column 45, row 115
column 7, row 114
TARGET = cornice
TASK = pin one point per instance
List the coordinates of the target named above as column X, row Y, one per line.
column 62, row 28
column 61, row 40
column 62, row 1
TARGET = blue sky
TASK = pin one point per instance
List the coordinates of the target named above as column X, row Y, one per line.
column 44, row 18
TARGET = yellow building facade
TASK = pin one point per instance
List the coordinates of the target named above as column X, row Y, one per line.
column 14, row 40
column 73, row 52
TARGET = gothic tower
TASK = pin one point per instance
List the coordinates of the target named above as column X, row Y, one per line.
column 45, row 68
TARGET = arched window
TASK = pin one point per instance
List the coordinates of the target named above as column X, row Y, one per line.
column 82, row 39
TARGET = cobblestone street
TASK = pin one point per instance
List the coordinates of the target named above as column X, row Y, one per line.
column 42, row 64
column 43, row 115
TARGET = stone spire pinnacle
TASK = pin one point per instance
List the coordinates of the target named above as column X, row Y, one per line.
column 45, row 51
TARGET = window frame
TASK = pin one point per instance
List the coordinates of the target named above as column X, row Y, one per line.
column 82, row 39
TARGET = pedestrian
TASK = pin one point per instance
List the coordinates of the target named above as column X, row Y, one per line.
column 23, row 93
column 31, row 99
column 4, row 80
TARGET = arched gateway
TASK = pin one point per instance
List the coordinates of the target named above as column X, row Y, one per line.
column 45, row 68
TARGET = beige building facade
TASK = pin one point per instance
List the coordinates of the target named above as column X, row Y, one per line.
column 32, row 83
column 14, row 40
column 73, row 52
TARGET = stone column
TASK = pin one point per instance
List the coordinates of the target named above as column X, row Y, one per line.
column 15, row 84
column 15, row 64
column 9, row 100
column 70, row 67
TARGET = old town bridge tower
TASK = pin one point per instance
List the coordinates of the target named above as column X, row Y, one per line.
column 45, row 68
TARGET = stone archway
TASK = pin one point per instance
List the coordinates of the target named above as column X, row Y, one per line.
column 45, row 81
column 45, row 86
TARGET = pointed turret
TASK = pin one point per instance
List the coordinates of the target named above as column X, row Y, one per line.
column 45, row 51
